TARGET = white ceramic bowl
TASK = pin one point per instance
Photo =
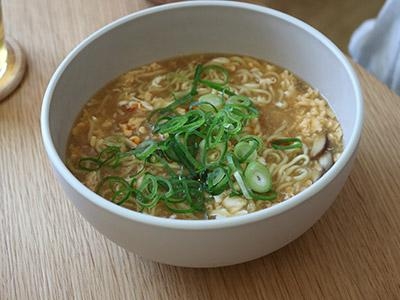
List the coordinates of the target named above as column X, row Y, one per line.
column 196, row 27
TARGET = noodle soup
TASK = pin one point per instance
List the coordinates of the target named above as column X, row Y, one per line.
column 203, row 137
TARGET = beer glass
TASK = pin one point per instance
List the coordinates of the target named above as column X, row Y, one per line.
column 12, row 62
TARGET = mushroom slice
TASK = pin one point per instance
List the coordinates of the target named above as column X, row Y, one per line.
column 326, row 160
column 319, row 146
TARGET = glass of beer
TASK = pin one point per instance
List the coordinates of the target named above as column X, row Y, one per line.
column 3, row 49
column 12, row 62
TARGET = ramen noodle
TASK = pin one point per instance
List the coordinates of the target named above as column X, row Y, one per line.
column 203, row 137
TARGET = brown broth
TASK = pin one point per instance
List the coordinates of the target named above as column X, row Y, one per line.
column 118, row 115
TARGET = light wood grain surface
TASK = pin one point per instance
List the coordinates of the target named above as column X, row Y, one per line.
column 48, row 251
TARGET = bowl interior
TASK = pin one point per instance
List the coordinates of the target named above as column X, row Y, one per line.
column 190, row 28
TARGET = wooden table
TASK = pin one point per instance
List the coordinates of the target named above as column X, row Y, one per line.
column 48, row 251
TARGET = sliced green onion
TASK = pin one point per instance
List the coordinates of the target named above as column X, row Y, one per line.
column 212, row 156
column 253, row 138
column 170, row 124
column 195, row 194
column 245, row 151
column 164, row 163
column 286, row 144
column 165, row 187
column 168, row 150
column 197, row 73
column 184, row 155
column 215, row 100
column 221, row 87
column 145, row 149
column 233, row 126
column 218, row 87
column 195, row 119
column 239, row 100
column 197, row 140
column 204, row 106
column 242, row 185
column 184, row 100
column 89, row 164
column 188, row 196
column 148, row 191
column 240, row 112
column 119, row 188
column 173, row 206
column 217, row 68
column 237, row 174
column 247, row 147
column 257, row 177
column 216, row 130
column 217, row 181
column 107, row 155
column 269, row 196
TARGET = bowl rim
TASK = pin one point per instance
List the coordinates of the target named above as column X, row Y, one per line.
column 253, row 217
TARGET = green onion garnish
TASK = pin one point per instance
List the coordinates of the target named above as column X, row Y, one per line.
column 287, row 144
column 257, row 177
column 208, row 144
column 217, row 181
column 246, row 148
column 117, row 187
column 109, row 156
column 145, row 149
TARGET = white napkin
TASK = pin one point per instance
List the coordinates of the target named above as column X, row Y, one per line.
column 376, row 45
